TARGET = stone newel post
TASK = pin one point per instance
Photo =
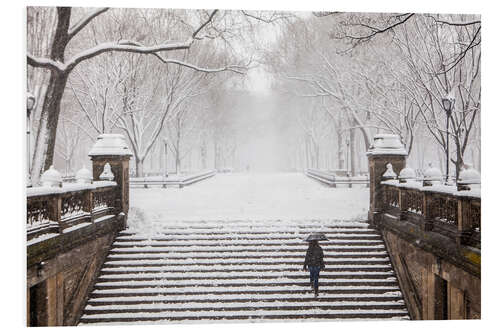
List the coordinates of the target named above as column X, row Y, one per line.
column 113, row 149
column 386, row 148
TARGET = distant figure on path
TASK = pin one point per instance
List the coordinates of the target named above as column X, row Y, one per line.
column 314, row 261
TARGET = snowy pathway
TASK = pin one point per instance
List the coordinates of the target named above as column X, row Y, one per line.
column 249, row 197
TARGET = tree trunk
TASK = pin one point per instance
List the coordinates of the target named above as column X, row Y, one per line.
column 152, row 160
column 459, row 162
column 139, row 167
column 352, row 153
column 46, row 136
column 177, row 151
column 177, row 163
column 340, row 152
column 215, row 154
column 43, row 155
column 166, row 158
column 204, row 156
column 316, row 149
column 307, row 153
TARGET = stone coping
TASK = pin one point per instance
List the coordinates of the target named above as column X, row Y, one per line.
column 67, row 187
column 438, row 188
column 387, row 151
column 55, row 244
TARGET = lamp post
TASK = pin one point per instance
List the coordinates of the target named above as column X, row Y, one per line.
column 448, row 104
column 165, row 142
column 30, row 105
column 347, row 156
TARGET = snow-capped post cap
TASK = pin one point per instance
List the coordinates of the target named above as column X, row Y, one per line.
column 432, row 176
column 51, row 178
column 468, row 176
column 407, row 174
column 107, row 174
column 387, row 144
column 110, row 144
column 84, row 176
column 389, row 173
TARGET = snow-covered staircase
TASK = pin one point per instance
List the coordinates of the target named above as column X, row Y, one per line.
column 244, row 270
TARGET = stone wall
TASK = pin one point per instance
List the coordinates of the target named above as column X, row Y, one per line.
column 419, row 273
column 61, row 271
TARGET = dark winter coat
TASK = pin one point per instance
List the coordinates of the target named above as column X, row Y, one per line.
column 314, row 256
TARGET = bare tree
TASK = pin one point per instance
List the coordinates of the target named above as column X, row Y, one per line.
column 431, row 51
column 96, row 92
column 60, row 68
column 69, row 138
column 386, row 72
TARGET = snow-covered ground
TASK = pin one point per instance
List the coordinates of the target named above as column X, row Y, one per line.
column 243, row 196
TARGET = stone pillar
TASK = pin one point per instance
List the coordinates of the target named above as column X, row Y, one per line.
column 113, row 149
column 456, row 304
column 51, row 301
column 386, row 148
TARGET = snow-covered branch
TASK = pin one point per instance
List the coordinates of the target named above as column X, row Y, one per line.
column 45, row 63
column 84, row 21
column 125, row 46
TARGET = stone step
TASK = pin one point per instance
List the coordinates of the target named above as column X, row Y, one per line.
column 158, row 318
column 196, row 292
column 235, row 306
column 227, row 255
column 233, row 238
column 136, row 281
column 210, row 249
column 242, row 270
column 238, row 242
column 248, row 275
column 103, row 283
column 270, row 226
column 231, row 261
column 251, row 233
column 157, row 299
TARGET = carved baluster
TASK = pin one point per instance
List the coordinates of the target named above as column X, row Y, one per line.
column 403, row 203
column 55, row 207
column 87, row 203
column 428, row 212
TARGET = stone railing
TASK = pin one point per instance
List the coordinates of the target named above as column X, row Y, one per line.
column 56, row 209
column 179, row 181
column 436, row 207
column 333, row 180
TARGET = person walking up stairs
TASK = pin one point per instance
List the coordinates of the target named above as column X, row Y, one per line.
column 314, row 260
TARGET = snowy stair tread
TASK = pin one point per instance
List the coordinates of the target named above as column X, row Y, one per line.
column 243, row 271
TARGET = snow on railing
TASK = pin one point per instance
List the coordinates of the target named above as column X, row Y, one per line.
column 451, row 210
column 57, row 206
column 331, row 179
column 172, row 180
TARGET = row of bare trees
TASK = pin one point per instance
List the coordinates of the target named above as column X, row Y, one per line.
column 374, row 73
column 142, row 72
column 163, row 78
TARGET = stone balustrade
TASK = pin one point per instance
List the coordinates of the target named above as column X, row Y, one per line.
column 435, row 206
column 54, row 209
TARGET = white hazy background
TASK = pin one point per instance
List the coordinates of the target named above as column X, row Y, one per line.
column 13, row 150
